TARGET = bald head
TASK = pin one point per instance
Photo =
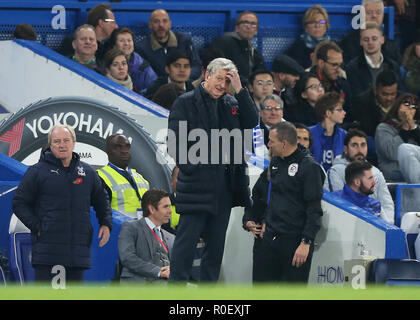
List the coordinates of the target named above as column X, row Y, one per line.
column 160, row 24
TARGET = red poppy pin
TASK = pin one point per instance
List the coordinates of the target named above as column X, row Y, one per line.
column 78, row 181
column 234, row 111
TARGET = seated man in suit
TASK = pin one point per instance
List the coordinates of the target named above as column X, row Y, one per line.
column 144, row 247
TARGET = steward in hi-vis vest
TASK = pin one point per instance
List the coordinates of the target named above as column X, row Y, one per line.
column 126, row 186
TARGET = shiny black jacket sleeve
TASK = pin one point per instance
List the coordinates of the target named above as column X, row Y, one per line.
column 259, row 201
column 312, row 196
column 100, row 202
column 24, row 201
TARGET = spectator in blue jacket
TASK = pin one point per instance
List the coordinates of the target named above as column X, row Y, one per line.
column 328, row 136
column 140, row 71
column 360, row 184
column 155, row 47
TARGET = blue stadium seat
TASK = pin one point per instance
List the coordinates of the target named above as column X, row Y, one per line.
column 395, row 272
column 20, row 257
column 410, row 223
column 2, row 277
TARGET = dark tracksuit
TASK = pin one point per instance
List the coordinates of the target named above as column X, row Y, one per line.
column 293, row 212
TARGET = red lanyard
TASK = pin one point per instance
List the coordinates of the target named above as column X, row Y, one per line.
column 158, row 239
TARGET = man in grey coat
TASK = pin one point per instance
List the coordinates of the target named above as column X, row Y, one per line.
column 355, row 148
column 144, row 247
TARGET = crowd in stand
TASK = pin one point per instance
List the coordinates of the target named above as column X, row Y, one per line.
column 354, row 102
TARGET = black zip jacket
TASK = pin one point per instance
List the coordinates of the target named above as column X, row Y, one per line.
column 294, row 207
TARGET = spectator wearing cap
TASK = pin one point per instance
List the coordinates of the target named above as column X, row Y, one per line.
column 286, row 71
column 328, row 67
column 363, row 69
column 315, row 25
column 350, row 44
column 178, row 71
column 237, row 45
column 410, row 69
column 24, row 31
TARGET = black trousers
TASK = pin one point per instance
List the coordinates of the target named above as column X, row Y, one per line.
column 212, row 227
column 43, row 273
column 273, row 260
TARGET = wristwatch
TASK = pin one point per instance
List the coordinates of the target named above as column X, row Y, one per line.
column 306, row 241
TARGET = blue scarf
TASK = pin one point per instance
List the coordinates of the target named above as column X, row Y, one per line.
column 311, row 42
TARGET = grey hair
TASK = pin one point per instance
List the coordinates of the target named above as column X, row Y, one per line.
column 365, row 2
column 64, row 126
column 273, row 97
column 220, row 64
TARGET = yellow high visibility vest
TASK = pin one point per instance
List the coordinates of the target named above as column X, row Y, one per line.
column 124, row 197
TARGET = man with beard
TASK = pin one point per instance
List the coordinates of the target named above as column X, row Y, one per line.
column 360, row 184
column 156, row 46
column 328, row 68
column 124, row 185
column 356, row 149
column 286, row 71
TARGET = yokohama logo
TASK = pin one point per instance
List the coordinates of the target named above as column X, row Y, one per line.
column 14, row 137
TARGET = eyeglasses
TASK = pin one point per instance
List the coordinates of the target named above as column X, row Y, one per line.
column 109, row 20
column 265, row 83
column 273, row 108
column 315, row 86
column 316, row 23
column 248, row 23
column 410, row 104
column 334, row 65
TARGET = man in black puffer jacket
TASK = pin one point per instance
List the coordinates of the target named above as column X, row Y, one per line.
column 209, row 183
column 53, row 200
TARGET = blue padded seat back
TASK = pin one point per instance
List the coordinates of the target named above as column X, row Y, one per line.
column 20, row 257
column 383, row 270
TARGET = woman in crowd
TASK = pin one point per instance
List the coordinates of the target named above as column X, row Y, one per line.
column 139, row 69
column 307, row 91
column 315, row 25
column 116, row 68
column 400, row 125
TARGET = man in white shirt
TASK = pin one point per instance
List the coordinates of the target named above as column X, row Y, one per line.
column 363, row 69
